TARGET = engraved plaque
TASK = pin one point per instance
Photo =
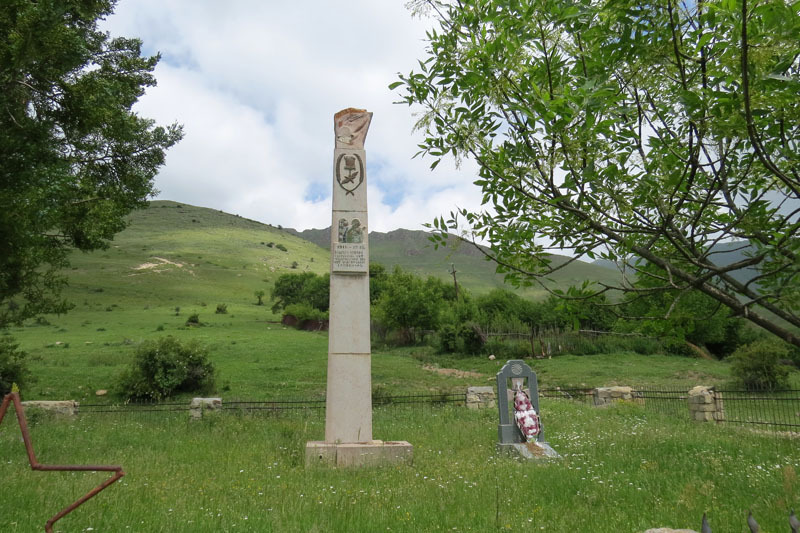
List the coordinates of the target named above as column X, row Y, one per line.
column 350, row 257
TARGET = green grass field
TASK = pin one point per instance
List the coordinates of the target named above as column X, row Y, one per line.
column 623, row 469
column 82, row 352
column 176, row 260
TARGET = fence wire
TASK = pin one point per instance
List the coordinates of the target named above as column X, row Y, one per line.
column 577, row 394
column 778, row 410
column 772, row 410
column 283, row 406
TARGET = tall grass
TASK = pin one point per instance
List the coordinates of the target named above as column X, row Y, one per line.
column 623, row 469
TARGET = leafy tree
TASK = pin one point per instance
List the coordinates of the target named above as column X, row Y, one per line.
column 308, row 288
column 377, row 281
column 639, row 132
column 260, row 295
column 74, row 158
column 13, row 367
column 579, row 309
column 683, row 316
column 409, row 303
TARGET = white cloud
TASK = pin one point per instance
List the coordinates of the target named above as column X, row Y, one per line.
column 256, row 84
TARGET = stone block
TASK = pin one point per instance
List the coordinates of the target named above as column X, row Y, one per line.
column 704, row 416
column 521, row 450
column 355, row 454
column 348, row 413
column 607, row 395
column 481, row 397
column 198, row 405
column 60, row 407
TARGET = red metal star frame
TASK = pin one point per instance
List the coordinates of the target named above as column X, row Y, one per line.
column 36, row 465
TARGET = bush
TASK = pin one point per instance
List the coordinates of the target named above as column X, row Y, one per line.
column 222, row 309
column 472, row 338
column 757, row 365
column 303, row 312
column 12, row 365
column 193, row 320
column 164, row 367
column 281, row 247
column 508, row 349
column 448, row 339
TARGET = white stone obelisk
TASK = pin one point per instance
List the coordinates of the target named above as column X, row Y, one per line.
column 348, row 407
column 348, row 410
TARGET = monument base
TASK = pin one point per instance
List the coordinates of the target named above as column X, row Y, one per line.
column 522, row 450
column 371, row 453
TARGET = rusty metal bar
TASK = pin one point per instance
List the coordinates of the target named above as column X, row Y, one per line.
column 13, row 397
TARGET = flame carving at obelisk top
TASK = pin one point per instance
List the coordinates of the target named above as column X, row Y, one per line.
column 350, row 126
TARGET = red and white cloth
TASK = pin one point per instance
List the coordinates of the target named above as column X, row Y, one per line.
column 525, row 415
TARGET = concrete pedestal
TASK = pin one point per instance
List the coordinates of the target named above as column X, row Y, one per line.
column 521, row 450
column 347, row 454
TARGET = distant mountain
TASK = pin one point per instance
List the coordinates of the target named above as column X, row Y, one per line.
column 413, row 251
column 174, row 253
column 723, row 254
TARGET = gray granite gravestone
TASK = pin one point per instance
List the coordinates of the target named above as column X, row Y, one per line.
column 510, row 438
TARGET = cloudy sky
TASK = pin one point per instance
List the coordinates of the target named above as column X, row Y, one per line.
column 256, row 84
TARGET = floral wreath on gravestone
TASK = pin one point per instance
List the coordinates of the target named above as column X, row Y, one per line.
column 525, row 415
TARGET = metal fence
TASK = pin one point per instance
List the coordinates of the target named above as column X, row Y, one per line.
column 132, row 408
column 283, row 406
column 577, row 394
column 771, row 410
column 671, row 401
column 774, row 411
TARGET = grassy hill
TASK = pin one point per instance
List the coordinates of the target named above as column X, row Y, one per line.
column 412, row 251
column 172, row 252
column 177, row 260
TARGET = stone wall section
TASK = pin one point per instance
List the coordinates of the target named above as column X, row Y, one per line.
column 60, row 407
column 481, row 398
column 705, row 404
column 604, row 396
column 198, row 405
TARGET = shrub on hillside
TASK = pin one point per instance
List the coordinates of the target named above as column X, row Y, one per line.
column 222, row 309
column 13, row 368
column 472, row 338
column 193, row 320
column 303, row 312
column 507, row 349
column 164, row 367
column 758, row 365
column 447, row 340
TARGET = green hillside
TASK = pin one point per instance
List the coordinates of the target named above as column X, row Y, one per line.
column 412, row 251
column 172, row 252
column 176, row 260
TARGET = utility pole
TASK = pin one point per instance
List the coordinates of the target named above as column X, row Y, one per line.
column 455, row 281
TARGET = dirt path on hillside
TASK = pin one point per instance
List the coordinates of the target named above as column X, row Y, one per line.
column 453, row 372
